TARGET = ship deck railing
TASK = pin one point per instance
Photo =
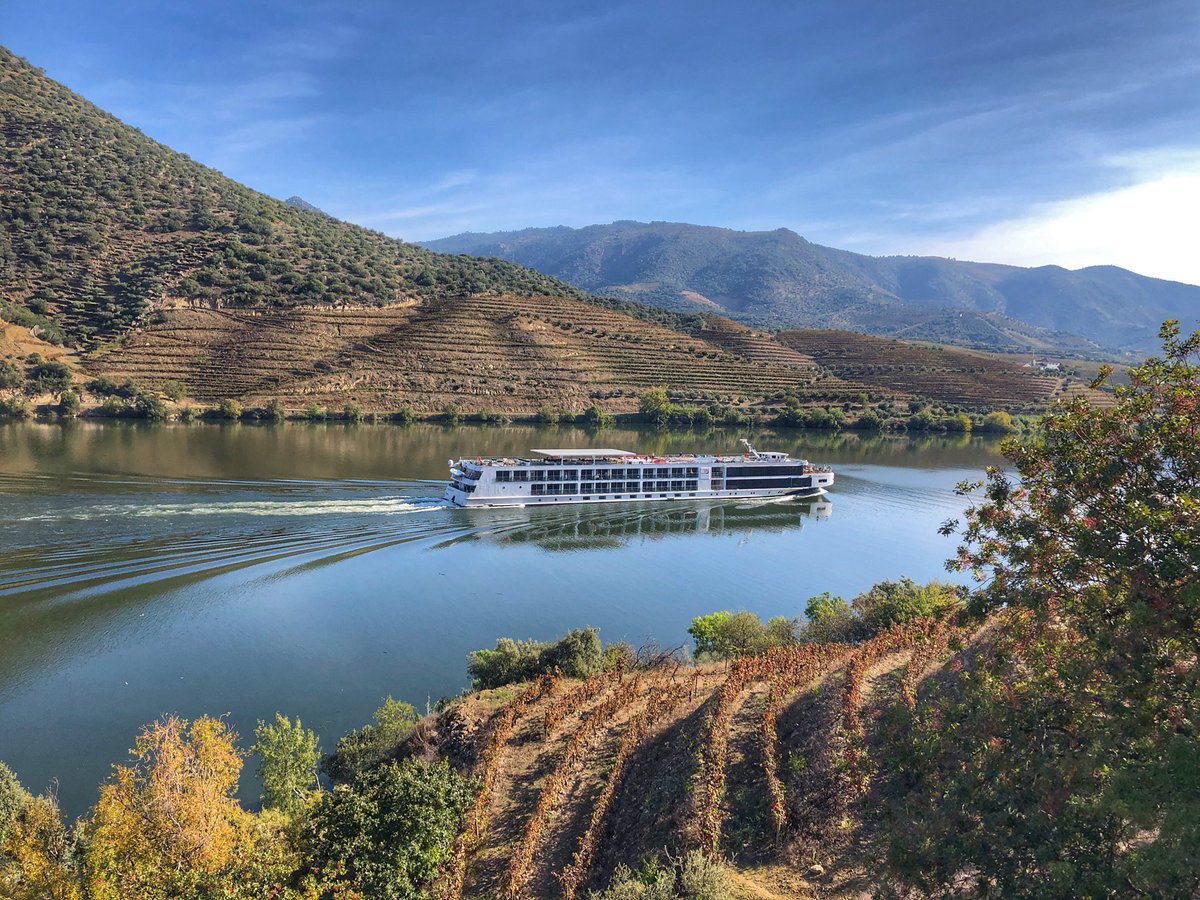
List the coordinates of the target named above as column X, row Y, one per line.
column 610, row 460
column 575, row 462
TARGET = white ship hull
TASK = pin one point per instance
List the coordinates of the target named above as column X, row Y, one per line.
column 615, row 476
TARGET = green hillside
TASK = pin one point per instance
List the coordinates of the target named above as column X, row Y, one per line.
column 100, row 226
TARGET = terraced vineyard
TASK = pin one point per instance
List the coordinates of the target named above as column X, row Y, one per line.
column 592, row 774
column 960, row 377
column 756, row 345
column 504, row 353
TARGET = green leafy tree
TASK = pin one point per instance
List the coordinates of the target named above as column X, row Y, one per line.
column 12, row 379
column 48, row 378
column 998, row 421
column 830, row 619
column 655, row 406
column 511, row 661
column 895, row 602
column 147, row 406
column 727, row 635
column 1066, row 762
column 577, row 654
column 597, row 418
column 287, row 763
column 69, row 404
column 371, row 745
column 869, row 421
column 390, row 832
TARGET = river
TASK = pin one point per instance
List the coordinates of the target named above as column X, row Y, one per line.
column 242, row 569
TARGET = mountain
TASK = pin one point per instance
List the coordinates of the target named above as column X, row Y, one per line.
column 778, row 279
column 102, row 229
column 144, row 264
column 302, row 204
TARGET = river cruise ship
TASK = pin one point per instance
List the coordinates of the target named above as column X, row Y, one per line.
column 612, row 476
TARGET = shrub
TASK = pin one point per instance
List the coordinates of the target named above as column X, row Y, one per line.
column 869, row 421
column 795, row 416
column 14, row 408
column 314, row 413
column 187, row 414
column 174, row 391
column 597, row 418
column 69, row 404
column 147, row 406
column 452, row 415
column 895, row 602
column 960, row 422
column 830, row 619
column 389, row 833
column 727, row 635
column 999, row 422
column 48, row 378
column 577, row 655
column 11, row 377
column 703, row 878
column 548, row 415
column 923, row 420
column 404, row 416
column 274, row 412
column 38, row 857
column 229, row 409
column 373, row 744
column 352, row 413
column 113, row 407
column 694, row 877
column 103, row 386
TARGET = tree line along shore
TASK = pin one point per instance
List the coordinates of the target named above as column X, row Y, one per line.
column 35, row 387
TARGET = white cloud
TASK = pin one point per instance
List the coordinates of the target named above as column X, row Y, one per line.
column 1151, row 226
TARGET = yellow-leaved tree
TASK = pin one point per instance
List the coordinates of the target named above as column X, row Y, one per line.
column 170, row 825
column 37, row 860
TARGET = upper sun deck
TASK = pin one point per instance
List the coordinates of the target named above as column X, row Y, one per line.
column 567, row 457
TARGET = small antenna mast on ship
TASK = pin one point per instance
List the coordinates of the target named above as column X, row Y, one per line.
column 750, row 448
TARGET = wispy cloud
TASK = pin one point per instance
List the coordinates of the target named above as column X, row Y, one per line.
column 1149, row 226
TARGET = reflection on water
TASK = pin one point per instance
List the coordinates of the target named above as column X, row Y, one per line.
column 590, row 527
column 313, row 570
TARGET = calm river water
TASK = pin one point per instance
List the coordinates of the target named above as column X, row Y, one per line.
column 312, row 569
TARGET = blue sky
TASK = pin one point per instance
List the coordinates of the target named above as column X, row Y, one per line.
column 1058, row 131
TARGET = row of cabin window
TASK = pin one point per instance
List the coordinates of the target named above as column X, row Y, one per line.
column 509, row 475
column 613, row 487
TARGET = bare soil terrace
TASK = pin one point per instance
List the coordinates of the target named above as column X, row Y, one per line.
column 514, row 354
column 615, row 769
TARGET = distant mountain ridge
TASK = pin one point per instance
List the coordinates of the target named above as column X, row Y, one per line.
column 778, row 279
